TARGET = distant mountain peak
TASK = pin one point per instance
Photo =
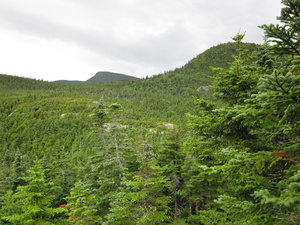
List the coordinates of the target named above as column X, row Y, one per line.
column 101, row 77
column 105, row 76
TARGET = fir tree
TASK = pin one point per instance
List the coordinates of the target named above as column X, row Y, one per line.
column 235, row 84
column 256, row 142
column 35, row 200
column 286, row 36
column 141, row 200
column 81, row 205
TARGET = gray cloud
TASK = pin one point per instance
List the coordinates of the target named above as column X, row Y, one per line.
column 140, row 36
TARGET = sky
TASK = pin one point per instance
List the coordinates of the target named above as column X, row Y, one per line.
column 74, row 39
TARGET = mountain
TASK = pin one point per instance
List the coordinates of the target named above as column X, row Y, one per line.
column 105, row 132
column 162, row 97
column 70, row 81
column 104, row 77
column 198, row 71
column 215, row 141
column 101, row 77
column 169, row 93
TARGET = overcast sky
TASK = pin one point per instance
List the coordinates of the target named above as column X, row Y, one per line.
column 74, row 39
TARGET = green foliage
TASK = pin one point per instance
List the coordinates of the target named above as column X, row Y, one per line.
column 254, row 142
column 32, row 201
column 100, row 77
column 81, row 205
column 237, row 83
column 286, row 37
column 281, row 93
column 9, row 207
column 100, row 113
column 286, row 201
column 104, row 77
column 170, row 153
column 141, row 200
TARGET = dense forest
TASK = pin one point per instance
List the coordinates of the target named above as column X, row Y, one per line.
column 216, row 141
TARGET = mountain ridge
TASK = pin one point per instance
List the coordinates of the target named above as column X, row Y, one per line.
column 184, row 80
column 101, row 77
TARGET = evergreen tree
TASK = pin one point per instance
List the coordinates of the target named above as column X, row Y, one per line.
column 286, row 36
column 9, row 207
column 111, row 167
column 81, row 205
column 170, row 159
column 280, row 94
column 35, row 200
column 18, row 170
column 281, row 88
column 235, row 84
column 256, row 142
column 141, row 200
column 100, row 113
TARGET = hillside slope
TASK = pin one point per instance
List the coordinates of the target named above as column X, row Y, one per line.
column 160, row 150
column 107, row 133
column 198, row 70
column 100, row 77
column 70, row 81
column 104, row 77
column 164, row 97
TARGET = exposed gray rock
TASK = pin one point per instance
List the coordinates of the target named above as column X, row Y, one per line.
column 204, row 88
column 109, row 126
column 169, row 126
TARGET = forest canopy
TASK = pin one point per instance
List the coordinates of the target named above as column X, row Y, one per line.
column 214, row 142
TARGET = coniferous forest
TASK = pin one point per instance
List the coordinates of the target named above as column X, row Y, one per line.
column 216, row 141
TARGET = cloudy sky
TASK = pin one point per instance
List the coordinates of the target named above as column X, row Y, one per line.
column 74, row 39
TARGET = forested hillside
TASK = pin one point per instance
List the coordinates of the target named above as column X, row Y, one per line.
column 101, row 77
column 104, row 77
column 213, row 142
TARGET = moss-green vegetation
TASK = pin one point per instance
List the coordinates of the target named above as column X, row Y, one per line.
column 197, row 145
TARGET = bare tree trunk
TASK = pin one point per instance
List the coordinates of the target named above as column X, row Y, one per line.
column 190, row 207
column 117, row 151
column 176, row 211
column 197, row 208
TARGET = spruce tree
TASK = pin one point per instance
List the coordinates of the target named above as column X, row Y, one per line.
column 255, row 142
column 81, row 205
column 281, row 87
column 34, row 200
column 235, row 84
column 141, row 200
column 280, row 95
column 286, row 36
